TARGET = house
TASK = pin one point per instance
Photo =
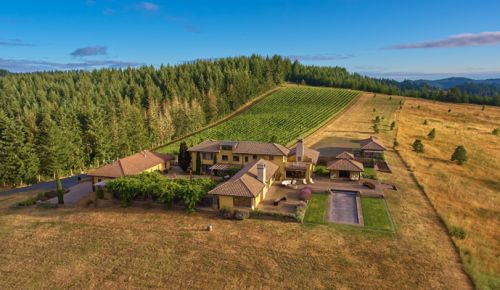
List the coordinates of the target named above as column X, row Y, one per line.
column 371, row 148
column 345, row 167
column 301, row 161
column 247, row 188
column 215, row 157
column 144, row 161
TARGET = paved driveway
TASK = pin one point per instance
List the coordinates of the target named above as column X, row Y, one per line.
column 343, row 208
column 75, row 193
column 46, row 186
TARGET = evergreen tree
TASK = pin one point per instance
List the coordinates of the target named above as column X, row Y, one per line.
column 432, row 134
column 376, row 128
column 459, row 155
column 418, row 146
column 18, row 159
column 184, row 157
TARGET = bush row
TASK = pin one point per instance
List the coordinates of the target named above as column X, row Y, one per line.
column 157, row 187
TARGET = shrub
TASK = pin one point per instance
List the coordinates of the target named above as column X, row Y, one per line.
column 99, row 192
column 376, row 129
column 425, row 122
column 459, row 155
column 305, row 194
column 241, row 215
column 321, row 170
column 432, row 134
column 449, row 110
column 418, row 146
column 457, row 232
column 300, row 212
column 396, row 143
column 496, row 131
column 226, row 213
column 393, row 125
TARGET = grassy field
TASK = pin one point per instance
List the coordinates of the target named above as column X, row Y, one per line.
column 467, row 197
column 375, row 213
column 139, row 248
column 316, row 210
column 284, row 115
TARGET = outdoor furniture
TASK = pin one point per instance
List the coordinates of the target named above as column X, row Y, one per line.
column 277, row 201
column 294, row 182
column 304, row 181
column 286, row 182
column 311, row 181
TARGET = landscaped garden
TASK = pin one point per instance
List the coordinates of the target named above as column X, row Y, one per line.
column 285, row 115
column 374, row 210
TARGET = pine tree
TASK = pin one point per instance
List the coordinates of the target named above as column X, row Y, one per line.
column 459, row 155
column 418, row 146
column 18, row 159
column 432, row 134
column 184, row 157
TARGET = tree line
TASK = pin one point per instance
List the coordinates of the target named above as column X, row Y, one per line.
column 59, row 123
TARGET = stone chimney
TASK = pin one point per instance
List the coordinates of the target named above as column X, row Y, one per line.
column 261, row 171
column 299, row 149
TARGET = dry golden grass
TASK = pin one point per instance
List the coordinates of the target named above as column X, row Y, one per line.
column 465, row 196
column 139, row 248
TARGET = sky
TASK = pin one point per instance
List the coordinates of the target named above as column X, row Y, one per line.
column 400, row 39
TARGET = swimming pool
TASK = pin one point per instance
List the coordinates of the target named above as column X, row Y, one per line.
column 343, row 207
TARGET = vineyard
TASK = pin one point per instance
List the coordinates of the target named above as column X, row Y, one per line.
column 282, row 117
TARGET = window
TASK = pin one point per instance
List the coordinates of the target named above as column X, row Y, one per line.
column 255, row 157
column 227, row 147
column 246, row 158
column 207, row 156
column 271, row 158
column 224, row 158
column 236, row 158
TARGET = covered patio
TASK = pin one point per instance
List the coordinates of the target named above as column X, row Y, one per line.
column 220, row 169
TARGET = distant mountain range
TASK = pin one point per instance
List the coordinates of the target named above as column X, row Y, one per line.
column 449, row 83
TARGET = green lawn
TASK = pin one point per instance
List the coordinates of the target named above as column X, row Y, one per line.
column 375, row 213
column 316, row 209
column 370, row 173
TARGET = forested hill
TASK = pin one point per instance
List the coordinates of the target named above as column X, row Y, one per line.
column 68, row 121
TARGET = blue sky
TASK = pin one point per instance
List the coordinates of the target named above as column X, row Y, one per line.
column 396, row 39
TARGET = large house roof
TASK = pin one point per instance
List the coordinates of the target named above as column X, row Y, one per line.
column 371, row 144
column 131, row 165
column 308, row 152
column 245, row 183
column 345, row 165
column 242, row 147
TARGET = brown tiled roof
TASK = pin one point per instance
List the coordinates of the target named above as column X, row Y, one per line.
column 131, row 165
column 242, row 147
column 209, row 146
column 345, row 165
column 345, row 155
column 308, row 152
column 244, row 182
column 371, row 144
